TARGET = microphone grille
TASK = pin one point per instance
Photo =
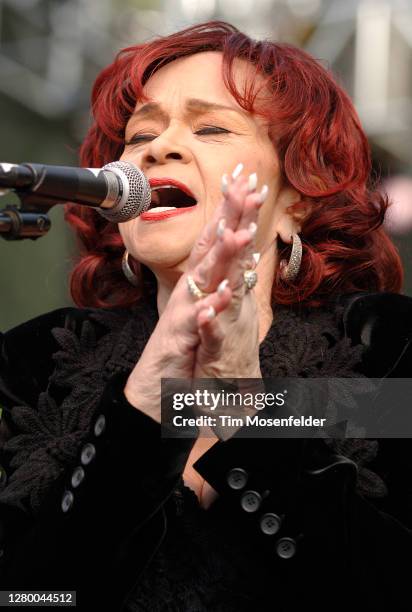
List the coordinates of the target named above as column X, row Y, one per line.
column 136, row 195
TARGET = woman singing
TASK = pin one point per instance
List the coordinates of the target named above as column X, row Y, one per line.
column 262, row 255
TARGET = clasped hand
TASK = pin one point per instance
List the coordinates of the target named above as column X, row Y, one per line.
column 216, row 336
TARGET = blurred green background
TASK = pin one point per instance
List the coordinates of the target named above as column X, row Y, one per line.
column 52, row 50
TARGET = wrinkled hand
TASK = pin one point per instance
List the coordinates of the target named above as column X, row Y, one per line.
column 229, row 342
column 216, row 336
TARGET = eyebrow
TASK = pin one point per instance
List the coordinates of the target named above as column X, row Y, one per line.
column 193, row 106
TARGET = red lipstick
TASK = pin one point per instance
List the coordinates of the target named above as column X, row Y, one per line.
column 159, row 182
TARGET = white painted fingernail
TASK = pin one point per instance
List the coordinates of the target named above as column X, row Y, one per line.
column 263, row 194
column 224, row 183
column 252, row 182
column 221, row 227
column 222, row 286
column 252, row 228
column 211, row 313
column 256, row 257
column 237, row 171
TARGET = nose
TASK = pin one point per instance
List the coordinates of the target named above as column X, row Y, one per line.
column 165, row 148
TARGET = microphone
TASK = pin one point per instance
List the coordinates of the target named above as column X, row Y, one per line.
column 119, row 191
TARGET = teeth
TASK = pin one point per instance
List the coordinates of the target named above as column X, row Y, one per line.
column 162, row 208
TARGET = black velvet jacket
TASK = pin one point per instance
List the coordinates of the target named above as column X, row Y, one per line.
column 86, row 477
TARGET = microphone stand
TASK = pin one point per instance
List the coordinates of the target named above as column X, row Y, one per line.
column 27, row 221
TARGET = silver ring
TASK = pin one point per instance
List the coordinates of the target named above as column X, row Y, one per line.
column 251, row 278
column 194, row 289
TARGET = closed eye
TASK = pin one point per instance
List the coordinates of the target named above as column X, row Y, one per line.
column 139, row 138
column 211, row 129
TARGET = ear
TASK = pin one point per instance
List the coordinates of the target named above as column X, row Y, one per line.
column 289, row 222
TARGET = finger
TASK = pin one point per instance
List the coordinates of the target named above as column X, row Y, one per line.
column 209, row 329
column 249, row 220
column 205, row 242
column 185, row 309
column 227, row 214
column 243, row 202
column 234, row 189
column 236, row 267
column 209, row 307
column 211, row 338
column 239, row 264
column 229, row 261
column 221, row 260
column 234, row 199
column 212, row 268
column 252, row 205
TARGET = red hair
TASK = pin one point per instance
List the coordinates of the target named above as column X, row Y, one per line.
column 323, row 151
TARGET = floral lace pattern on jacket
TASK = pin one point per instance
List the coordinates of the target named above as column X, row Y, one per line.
column 51, row 435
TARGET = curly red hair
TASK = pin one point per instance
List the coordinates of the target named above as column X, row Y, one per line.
column 323, row 151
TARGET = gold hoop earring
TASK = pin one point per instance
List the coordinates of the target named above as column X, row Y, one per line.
column 127, row 271
column 289, row 271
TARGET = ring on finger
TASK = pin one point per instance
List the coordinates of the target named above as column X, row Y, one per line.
column 250, row 278
column 194, row 289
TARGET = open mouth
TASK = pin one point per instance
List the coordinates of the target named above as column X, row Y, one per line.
column 169, row 197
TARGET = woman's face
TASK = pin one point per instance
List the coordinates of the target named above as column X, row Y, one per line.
column 192, row 131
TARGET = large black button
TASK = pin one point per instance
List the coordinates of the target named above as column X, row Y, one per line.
column 250, row 501
column 67, row 501
column 270, row 523
column 88, row 453
column 77, row 476
column 237, row 478
column 286, row 548
column 100, row 425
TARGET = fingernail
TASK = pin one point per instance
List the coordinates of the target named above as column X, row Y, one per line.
column 222, row 286
column 211, row 313
column 252, row 228
column 263, row 194
column 221, row 227
column 237, row 171
column 224, row 183
column 252, row 182
column 256, row 257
